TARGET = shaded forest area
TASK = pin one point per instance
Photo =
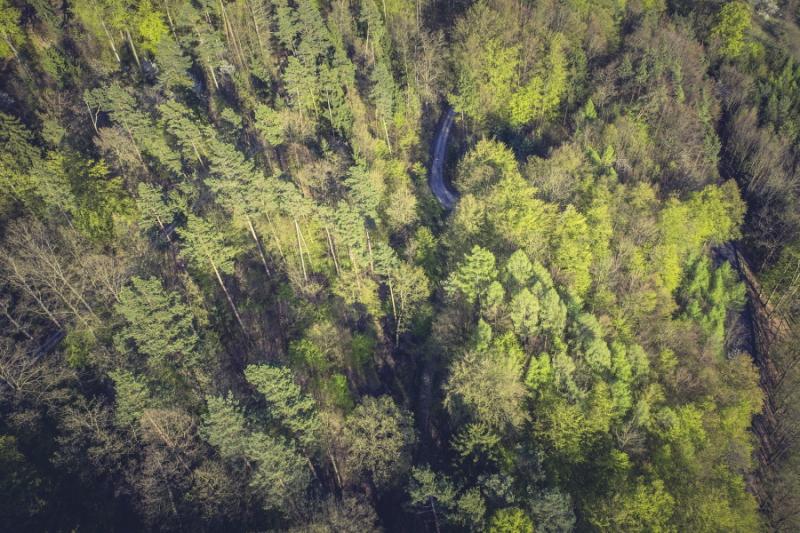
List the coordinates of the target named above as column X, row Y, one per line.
column 231, row 302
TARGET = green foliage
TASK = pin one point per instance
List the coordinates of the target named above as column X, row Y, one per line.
column 10, row 30
column 646, row 506
column 474, row 275
column 431, row 491
column 224, row 427
column 377, row 436
column 567, row 338
column 131, row 398
column 287, row 403
column 206, row 246
column 731, row 28
column 152, row 27
column 540, row 97
column 487, row 386
column 159, row 324
column 510, row 520
column 270, row 124
column 281, row 475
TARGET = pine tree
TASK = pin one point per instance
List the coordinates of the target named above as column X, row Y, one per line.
column 159, row 324
column 287, row 403
column 383, row 95
column 131, row 398
column 473, row 276
column 224, row 427
column 154, row 208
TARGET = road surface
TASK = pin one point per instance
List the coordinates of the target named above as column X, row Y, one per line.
column 443, row 193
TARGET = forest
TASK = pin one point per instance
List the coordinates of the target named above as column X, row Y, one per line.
column 400, row 265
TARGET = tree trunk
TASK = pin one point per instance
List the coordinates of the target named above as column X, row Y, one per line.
column 133, row 48
column 386, row 132
column 300, row 250
column 258, row 245
column 369, row 248
column 133, row 141
column 275, row 237
column 93, row 116
column 110, row 41
column 333, row 251
column 396, row 317
column 228, row 296
column 435, row 515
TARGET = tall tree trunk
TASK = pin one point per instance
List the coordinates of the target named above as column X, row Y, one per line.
column 369, row 248
column 275, row 238
column 258, row 244
column 333, row 251
column 258, row 32
column 110, row 41
column 396, row 316
column 386, row 132
column 93, row 116
column 133, row 48
column 300, row 250
column 227, row 295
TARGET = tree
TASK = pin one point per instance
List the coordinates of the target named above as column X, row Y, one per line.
column 730, row 30
column 132, row 398
column 281, row 475
column 271, row 124
column 277, row 472
column 524, row 314
column 540, row 97
column 473, row 276
column 159, row 325
column 382, row 95
column 487, row 386
column 573, row 256
column 409, row 288
column 293, row 409
column 224, row 427
column 431, row 492
column 510, row 520
column 645, row 505
column 377, row 438
column 12, row 36
column 350, row 515
column 173, row 65
column 139, row 126
column 153, row 207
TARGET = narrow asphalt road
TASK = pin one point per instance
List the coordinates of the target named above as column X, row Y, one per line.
column 445, row 196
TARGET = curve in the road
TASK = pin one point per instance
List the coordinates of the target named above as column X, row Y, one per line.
column 443, row 193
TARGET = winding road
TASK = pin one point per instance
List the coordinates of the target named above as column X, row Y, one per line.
column 443, row 193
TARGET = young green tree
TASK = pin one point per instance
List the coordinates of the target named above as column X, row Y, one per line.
column 287, row 403
column 473, row 276
column 510, row 520
column 132, row 397
column 224, row 427
column 159, row 326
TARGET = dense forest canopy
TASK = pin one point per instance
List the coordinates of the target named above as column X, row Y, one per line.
column 231, row 301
